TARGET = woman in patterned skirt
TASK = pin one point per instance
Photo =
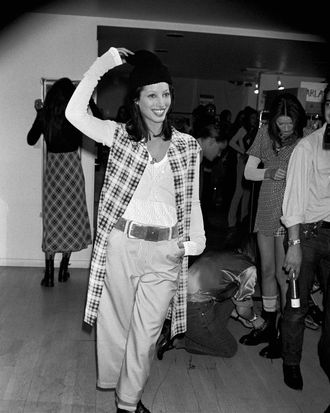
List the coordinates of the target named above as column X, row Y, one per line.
column 66, row 226
column 272, row 147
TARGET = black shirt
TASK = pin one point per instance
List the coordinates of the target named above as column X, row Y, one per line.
column 68, row 140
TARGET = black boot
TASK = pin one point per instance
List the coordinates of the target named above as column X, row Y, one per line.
column 48, row 280
column 63, row 274
column 274, row 348
column 263, row 334
column 164, row 342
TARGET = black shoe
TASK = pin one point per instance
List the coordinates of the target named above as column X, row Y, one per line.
column 63, row 274
column 164, row 344
column 48, row 280
column 272, row 351
column 316, row 314
column 255, row 337
column 292, row 376
column 140, row 408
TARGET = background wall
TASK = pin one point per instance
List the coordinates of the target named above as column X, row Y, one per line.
column 52, row 46
column 37, row 46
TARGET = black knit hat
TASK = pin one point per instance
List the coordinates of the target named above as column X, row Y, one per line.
column 148, row 69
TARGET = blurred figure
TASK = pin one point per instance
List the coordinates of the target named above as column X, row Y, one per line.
column 247, row 127
column 66, row 226
column 273, row 147
column 203, row 115
column 212, row 145
column 225, row 122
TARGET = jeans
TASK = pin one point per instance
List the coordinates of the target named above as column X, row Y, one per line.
column 315, row 250
column 207, row 331
column 324, row 343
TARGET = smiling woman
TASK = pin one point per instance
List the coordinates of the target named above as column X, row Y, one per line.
column 149, row 222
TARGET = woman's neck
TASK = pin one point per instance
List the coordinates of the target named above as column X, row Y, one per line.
column 153, row 134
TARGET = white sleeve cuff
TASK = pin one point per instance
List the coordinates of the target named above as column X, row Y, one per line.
column 116, row 56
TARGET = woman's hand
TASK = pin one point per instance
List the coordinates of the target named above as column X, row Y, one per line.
column 124, row 52
column 181, row 248
column 277, row 174
column 38, row 105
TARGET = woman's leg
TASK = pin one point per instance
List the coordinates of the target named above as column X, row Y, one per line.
column 269, row 287
column 236, row 199
column 63, row 274
column 156, row 284
column 141, row 280
column 269, row 294
column 48, row 280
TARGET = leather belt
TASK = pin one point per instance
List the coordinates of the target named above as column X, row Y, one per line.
column 146, row 232
column 325, row 224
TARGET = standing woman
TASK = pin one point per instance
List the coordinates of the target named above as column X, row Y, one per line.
column 240, row 143
column 272, row 147
column 149, row 221
column 66, row 226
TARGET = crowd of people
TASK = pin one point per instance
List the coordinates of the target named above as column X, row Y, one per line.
column 154, row 285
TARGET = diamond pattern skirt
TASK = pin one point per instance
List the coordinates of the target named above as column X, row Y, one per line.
column 66, row 225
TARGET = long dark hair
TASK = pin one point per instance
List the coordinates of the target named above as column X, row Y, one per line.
column 55, row 104
column 286, row 104
column 136, row 127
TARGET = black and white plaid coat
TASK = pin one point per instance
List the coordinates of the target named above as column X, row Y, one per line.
column 126, row 164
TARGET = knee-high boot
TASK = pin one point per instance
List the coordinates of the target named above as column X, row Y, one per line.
column 263, row 334
column 273, row 350
column 63, row 274
column 48, row 280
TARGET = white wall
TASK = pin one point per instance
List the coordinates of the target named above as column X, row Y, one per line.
column 38, row 46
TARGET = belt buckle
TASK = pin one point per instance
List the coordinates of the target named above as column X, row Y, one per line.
column 152, row 234
column 129, row 230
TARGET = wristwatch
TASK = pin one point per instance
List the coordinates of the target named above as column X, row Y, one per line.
column 292, row 242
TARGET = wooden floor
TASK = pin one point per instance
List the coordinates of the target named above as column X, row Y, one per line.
column 47, row 362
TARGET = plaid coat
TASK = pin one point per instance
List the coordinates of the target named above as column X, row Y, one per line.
column 126, row 164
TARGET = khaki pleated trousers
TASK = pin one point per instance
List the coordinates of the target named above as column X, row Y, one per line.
column 141, row 280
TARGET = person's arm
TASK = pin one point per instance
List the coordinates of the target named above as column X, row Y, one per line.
column 253, row 173
column 197, row 242
column 36, row 129
column 77, row 111
column 293, row 258
column 236, row 142
column 294, row 205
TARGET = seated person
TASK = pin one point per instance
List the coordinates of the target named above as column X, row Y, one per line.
column 220, row 284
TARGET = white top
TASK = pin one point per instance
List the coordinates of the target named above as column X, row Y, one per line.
column 153, row 201
column 307, row 192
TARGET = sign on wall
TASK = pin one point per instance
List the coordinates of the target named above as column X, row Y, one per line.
column 314, row 96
